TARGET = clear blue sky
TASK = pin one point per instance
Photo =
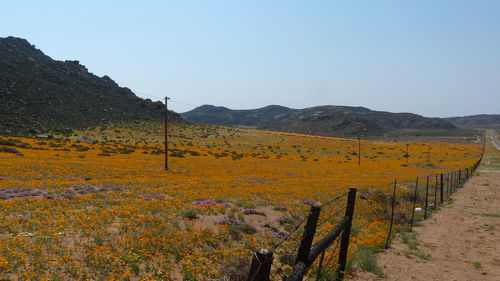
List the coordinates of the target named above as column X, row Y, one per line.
column 435, row 58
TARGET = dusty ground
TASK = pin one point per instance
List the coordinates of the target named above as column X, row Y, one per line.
column 460, row 242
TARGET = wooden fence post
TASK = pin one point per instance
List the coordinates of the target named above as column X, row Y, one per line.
column 426, row 197
column 435, row 191
column 320, row 265
column 392, row 215
column 441, row 188
column 309, row 231
column 460, row 177
column 414, row 204
column 260, row 268
column 344, row 242
column 447, row 185
column 453, row 181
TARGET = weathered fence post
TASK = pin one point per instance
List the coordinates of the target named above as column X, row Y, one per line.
column 454, row 181
column 460, row 177
column 435, row 190
column 320, row 265
column 447, row 185
column 426, row 198
column 451, row 183
column 441, row 188
column 344, row 242
column 260, row 268
column 414, row 204
column 309, row 231
column 392, row 215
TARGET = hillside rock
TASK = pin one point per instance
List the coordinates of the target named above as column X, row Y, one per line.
column 39, row 93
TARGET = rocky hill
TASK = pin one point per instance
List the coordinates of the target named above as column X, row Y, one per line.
column 327, row 120
column 38, row 93
column 476, row 121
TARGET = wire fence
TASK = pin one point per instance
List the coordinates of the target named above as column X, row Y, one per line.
column 316, row 248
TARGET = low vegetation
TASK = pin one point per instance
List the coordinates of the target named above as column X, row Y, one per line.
column 107, row 209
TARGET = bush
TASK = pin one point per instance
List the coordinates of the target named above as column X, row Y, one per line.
column 10, row 150
column 368, row 262
column 190, row 214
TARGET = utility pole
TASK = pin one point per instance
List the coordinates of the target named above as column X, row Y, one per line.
column 166, row 133
column 407, row 154
column 359, row 150
column 359, row 146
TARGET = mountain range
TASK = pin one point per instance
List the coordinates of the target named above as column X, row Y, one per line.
column 476, row 121
column 330, row 120
column 39, row 94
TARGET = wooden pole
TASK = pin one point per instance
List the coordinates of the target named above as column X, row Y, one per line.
column 452, row 189
column 441, row 188
column 392, row 215
column 359, row 150
column 260, row 268
column 344, row 242
column 426, row 198
column 447, row 185
column 309, row 231
column 435, row 191
column 166, row 132
column 459, row 178
column 407, row 153
column 414, row 204
column 320, row 265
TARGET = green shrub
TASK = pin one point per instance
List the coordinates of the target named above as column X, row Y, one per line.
column 190, row 214
column 10, row 150
column 368, row 262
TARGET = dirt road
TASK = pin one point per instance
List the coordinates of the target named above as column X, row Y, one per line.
column 460, row 242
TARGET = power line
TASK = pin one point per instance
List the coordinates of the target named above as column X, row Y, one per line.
column 183, row 103
column 148, row 95
column 160, row 98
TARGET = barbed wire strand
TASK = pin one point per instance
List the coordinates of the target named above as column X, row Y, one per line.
column 330, row 258
column 334, row 199
column 293, row 231
column 331, row 216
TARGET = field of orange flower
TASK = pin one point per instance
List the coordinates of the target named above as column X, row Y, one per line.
column 109, row 211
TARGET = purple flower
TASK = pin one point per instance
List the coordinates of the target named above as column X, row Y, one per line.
column 227, row 221
column 205, row 202
column 280, row 235
column 152, row 196
column 280, row 208
column 307, row 202
column 210, row 202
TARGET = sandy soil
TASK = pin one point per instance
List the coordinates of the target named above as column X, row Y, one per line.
column 460, row 242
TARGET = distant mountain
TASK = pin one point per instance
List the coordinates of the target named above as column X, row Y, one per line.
column 38, row 93
column 326, row 120
column 476, row 121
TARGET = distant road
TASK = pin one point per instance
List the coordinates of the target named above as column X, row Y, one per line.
column 494, row 138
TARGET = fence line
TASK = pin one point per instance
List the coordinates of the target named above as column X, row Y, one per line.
column 262, row 259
